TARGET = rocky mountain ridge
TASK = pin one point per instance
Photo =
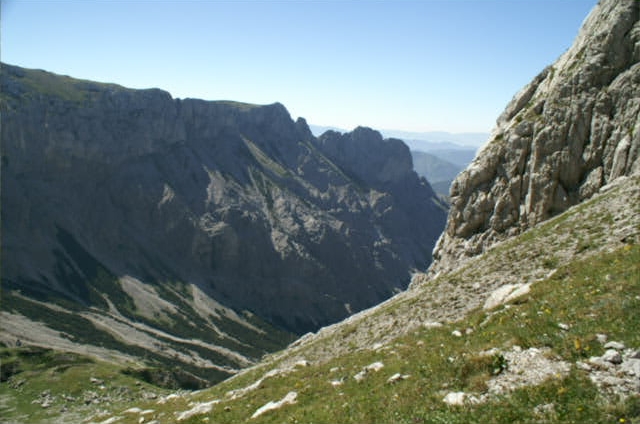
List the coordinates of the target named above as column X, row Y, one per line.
column 153, row 218
column 573, row 129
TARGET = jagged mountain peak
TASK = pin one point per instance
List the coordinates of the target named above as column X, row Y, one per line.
column 371, row 157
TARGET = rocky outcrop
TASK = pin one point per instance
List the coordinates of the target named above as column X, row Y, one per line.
column 572, row 130
column 128, row 201
column 363, row 151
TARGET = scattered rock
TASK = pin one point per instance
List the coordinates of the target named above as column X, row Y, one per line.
column 546, row 410
column 524, row 289
column 360, row 376
column 612, row 356
column 167, row 398
column 149, row 395
column 96, row 381
column 615, row 372
column 432, row 324
column 607, row 381
column 397, row 377
column 527, row 367
column 506, row 294
column 583, row 366
column 275, row 372
column 599, row 363
column 68, row 398
column 563, row 326
column 455, row 398
column 614, row 345
column 631, row 366
column 111, row 420
column 45, row 400
column 376, row 366
column 238, row 393
column 198, row 409
column 336, row 383
column 456, row 333
column 289, row 399
column 601, row 338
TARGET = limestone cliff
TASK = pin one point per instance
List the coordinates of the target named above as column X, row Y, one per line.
column 110, row 193
column 573, row 129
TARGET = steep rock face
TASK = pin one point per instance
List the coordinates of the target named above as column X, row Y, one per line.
column 237, row 200
column 573, row 129
column 367, row 156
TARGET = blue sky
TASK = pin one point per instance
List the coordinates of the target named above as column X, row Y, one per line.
column 431, row 65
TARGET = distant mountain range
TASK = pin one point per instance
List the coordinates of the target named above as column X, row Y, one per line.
column 439, row 172
column 424, row 141
column 438, row 156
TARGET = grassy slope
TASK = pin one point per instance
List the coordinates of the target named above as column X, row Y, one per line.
column 579, row 294
column 586, row 274
column 66, row 377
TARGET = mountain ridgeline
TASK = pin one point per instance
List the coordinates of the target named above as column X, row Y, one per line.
column 130, row 205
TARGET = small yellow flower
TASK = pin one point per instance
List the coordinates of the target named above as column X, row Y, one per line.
column 622, row 420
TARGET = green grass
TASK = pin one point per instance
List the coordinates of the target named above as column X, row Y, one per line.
column 237, row 105
column 67, row 379
column 62, row 87
column 594, row 295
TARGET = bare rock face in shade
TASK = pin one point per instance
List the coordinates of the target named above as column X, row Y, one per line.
column 121, row 199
